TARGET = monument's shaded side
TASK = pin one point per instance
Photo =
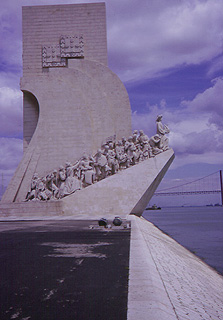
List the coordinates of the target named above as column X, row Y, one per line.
column 72, row 104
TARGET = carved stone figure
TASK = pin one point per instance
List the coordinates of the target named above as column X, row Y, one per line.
column 32, row 193
column 162, row 130
column 61, row 181
column 139, row 153
column 143, row 138
column 131, row 151
column 51, row 184
column 147, row 151
column 155, row 144
column 119, row 149
column 113, row 156
column 135, row 137
column 105, row 149
column 112, row 161
column 121, row 156
column 72, row 183
column 87, row 172
column 101, row 165
column 124, row 143
column 124, row 162
column 42, row 192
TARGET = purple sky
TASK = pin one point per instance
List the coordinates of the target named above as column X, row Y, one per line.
column 169, row 54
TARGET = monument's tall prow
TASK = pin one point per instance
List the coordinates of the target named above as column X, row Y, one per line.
column 72, row 100
column 77, row 123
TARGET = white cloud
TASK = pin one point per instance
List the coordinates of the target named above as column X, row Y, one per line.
column 11, row 36
column 196, row 127
column 10, row 155
column 216, row 66
column 11, row 111
column 9, row 79
column 159, row 37
column 214, row 158
column 210, row 102
column 143, row 38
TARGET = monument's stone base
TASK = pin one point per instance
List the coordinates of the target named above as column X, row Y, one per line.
column 32, row 210
column 127, row 192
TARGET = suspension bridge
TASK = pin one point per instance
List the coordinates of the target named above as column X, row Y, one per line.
column 210, row 184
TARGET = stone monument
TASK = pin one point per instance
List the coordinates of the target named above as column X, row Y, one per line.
column 77, row 123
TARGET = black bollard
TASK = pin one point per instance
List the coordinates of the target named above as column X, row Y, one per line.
column 103, row 222
column 117, row 221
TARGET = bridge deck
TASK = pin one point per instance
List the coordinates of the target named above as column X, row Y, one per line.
column 186, row 193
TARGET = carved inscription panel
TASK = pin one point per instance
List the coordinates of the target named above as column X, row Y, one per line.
column 57, row 55
column 72, row 46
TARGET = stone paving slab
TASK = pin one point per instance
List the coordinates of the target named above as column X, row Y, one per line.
column 180, row 285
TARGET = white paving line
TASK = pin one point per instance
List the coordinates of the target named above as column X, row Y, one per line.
column 166, row 281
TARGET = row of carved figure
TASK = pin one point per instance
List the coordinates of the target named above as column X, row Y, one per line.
column 111, row 158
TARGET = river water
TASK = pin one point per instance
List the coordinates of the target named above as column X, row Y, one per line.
column 199, row 229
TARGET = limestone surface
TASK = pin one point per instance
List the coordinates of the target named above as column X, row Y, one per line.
column 168, row 282
column 126, row 192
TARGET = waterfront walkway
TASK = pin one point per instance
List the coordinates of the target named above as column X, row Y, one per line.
column 167, row 281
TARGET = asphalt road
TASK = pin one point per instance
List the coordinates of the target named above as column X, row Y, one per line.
column 63, row 270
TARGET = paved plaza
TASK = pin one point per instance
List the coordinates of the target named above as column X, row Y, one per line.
column 63, row 270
